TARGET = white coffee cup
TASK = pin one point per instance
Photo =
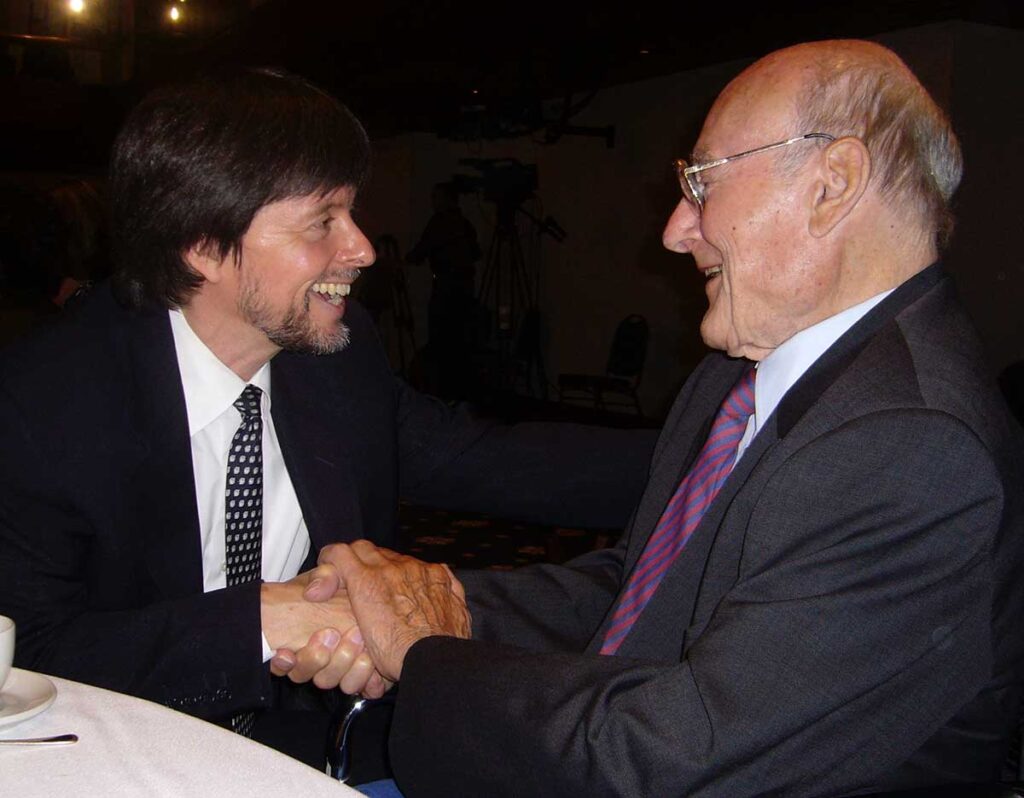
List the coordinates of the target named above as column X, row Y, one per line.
column 6, row 647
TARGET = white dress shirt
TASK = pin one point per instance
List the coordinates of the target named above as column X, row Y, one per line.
column 211, row 389
column 778, row 372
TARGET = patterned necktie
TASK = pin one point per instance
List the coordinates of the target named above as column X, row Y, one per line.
column 685, row 510
column 243, row 519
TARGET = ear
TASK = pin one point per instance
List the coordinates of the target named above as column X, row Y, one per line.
column 204, row 259
column 845, row 173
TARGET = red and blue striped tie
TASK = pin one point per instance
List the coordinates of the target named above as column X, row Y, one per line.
column 685, row 510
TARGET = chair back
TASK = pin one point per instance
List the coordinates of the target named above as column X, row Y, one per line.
column 629, row 348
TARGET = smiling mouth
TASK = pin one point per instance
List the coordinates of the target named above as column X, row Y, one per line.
column 714, row 271
column 332, row 293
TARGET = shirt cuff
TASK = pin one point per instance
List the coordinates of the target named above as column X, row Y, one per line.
column 268, row 652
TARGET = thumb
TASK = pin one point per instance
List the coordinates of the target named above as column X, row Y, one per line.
column 282, row 662
column 324, row 582
column 341, row 559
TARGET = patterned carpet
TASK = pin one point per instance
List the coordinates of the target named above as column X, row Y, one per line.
column 474, row 540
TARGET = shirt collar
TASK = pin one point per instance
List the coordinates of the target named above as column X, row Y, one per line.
column 778, row 372
column 210, row 386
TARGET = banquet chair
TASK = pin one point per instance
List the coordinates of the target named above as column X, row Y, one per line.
column 622, row 375
column 339, row 742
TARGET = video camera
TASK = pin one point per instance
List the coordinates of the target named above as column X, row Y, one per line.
column 501, row 180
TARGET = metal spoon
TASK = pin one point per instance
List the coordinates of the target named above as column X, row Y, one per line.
column 60, row 739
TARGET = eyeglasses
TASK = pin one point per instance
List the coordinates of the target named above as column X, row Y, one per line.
column 689, row 176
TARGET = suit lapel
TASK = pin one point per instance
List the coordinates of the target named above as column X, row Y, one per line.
column 689, row 430
column 838, row 357
column 164, row 491
column 308, row 414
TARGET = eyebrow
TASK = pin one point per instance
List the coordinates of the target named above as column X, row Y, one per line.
column 700, row 156
column 327, row 206
column 339, row 197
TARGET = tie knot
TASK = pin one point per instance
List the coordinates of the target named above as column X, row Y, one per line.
column 739, row 403
column 248, row 404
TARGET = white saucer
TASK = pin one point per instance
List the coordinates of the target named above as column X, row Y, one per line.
column 24, row 696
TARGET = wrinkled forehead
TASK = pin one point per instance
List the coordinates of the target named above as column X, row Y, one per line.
column 756, row 108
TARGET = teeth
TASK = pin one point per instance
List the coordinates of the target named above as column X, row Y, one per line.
column 714, row 271
column 333, row 289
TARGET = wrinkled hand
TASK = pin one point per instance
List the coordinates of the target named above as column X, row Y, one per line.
column 396, row 600
column 317, row 641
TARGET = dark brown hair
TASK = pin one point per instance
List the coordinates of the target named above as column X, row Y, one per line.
column 195, row 161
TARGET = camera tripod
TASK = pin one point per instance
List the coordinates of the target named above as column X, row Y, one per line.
column 511, row 290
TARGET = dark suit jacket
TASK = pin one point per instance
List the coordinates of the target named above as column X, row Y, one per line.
column 846, row 618
column 100, row 562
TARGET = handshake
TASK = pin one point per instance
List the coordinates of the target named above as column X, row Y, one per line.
column 349, row 622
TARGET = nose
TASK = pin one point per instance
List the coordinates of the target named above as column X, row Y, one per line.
column 355, row 250
column 682, row 229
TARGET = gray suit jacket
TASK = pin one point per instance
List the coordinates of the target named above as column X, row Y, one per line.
column 844, row 619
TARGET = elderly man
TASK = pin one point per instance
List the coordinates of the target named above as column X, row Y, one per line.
column 174, row 455
column 819, row 593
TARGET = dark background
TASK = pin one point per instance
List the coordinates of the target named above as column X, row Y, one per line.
column 600, row 101
column 402, row 66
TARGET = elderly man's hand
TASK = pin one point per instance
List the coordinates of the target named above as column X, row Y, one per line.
column 396, row 600
column 317, row 641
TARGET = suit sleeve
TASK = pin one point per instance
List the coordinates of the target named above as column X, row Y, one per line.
column 198, row 653
column 558, row 474
column 857, row 625
column 545, row 607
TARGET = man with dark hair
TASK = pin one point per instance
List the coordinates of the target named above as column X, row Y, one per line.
column 178, row 450
column 819, row 593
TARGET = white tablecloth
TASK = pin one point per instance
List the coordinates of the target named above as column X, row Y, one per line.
column 130, row 747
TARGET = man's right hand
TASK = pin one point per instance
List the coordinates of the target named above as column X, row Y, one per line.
column 330, row 663
column 289, row 620
column 317, row 640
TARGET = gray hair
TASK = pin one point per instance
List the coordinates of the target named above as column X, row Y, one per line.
column 914, row 152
